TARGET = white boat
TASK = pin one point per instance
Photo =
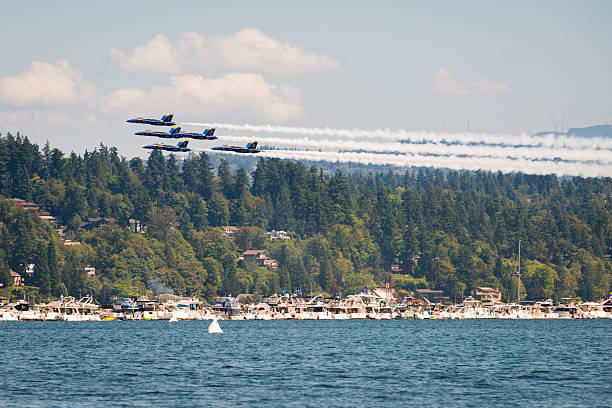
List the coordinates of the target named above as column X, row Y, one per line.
column 323, row 315
column 422, row 315
column 188, row 308
column 8, row 316
column 31, row 315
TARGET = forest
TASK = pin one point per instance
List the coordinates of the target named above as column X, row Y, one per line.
column 413, row 228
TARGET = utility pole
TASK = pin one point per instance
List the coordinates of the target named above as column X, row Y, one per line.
column 518, row 275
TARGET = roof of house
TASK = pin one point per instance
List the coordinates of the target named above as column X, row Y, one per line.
column 424, row 291
column 254, row 252
column 97, row 219
column 486, row 289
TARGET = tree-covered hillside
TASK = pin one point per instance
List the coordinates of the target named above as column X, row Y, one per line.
column 439, row 229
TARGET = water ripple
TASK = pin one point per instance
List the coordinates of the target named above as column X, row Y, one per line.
column 307, row 363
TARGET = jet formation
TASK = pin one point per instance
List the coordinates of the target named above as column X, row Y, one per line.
column 175, row 133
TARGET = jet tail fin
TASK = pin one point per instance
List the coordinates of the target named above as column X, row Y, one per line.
column 175, row 130
column 209, row 132
column 252, row 145
column 183, row 143
column 167, row 118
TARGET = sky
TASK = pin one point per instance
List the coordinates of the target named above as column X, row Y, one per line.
column 72, row 72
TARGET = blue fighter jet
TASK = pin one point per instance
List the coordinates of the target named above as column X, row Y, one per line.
column 174, row 133
column 249, row 148
column 208, row 134
column 180, row 147
column 166, row 120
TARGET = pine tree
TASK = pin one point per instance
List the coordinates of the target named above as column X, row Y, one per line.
column 57, row 287
column 283, row 218
column 226, row 183
column 42, row 274
column 241, row 182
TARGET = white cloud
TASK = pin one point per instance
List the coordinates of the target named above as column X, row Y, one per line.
column 46, row 84
column 247, row 50
column 245, row 96
column 43, row 119
column 156, row 55
column 445, row 82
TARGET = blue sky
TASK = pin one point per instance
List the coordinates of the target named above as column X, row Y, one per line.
column 506, row 67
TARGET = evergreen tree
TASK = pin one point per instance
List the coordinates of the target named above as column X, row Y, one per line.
column 283, row 218
column 42, row 274
column 241, row 183
column 226, row 183
column 57, row 286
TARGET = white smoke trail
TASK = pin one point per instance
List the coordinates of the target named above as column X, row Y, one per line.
column 505, row 165
column 523, row 139
column 453, row 162
column 544, row 154
column 533, row 153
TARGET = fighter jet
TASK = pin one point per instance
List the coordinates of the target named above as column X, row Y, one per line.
column 208, row 134
column 174, row 133
column 249, row 148
column 166, row 120
column 180, row 147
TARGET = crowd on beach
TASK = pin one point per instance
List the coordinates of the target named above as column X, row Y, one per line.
column 296, row 307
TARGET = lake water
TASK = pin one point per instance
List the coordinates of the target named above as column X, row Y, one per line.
column 307, row 363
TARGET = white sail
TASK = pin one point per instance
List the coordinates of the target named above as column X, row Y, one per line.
column 214, row 326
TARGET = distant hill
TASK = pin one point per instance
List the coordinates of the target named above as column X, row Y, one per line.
column 590, row 131
column 437, row 229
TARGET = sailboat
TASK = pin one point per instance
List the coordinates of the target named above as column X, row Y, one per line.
column 214, row 326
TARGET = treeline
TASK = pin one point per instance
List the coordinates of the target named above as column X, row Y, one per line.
column 439, row 229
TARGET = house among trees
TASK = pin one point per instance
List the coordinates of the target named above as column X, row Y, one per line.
column 278, row 235
column 25, row 205
column 261, row 257
column 29, row 270
column 90, row 271
column 49, row 218
column 393, row 267
column 434, row 296
column 95, row 222
column 28, row 206
column 487, row 294
column 17, row 278
column 135, row 225
column 230, row 231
